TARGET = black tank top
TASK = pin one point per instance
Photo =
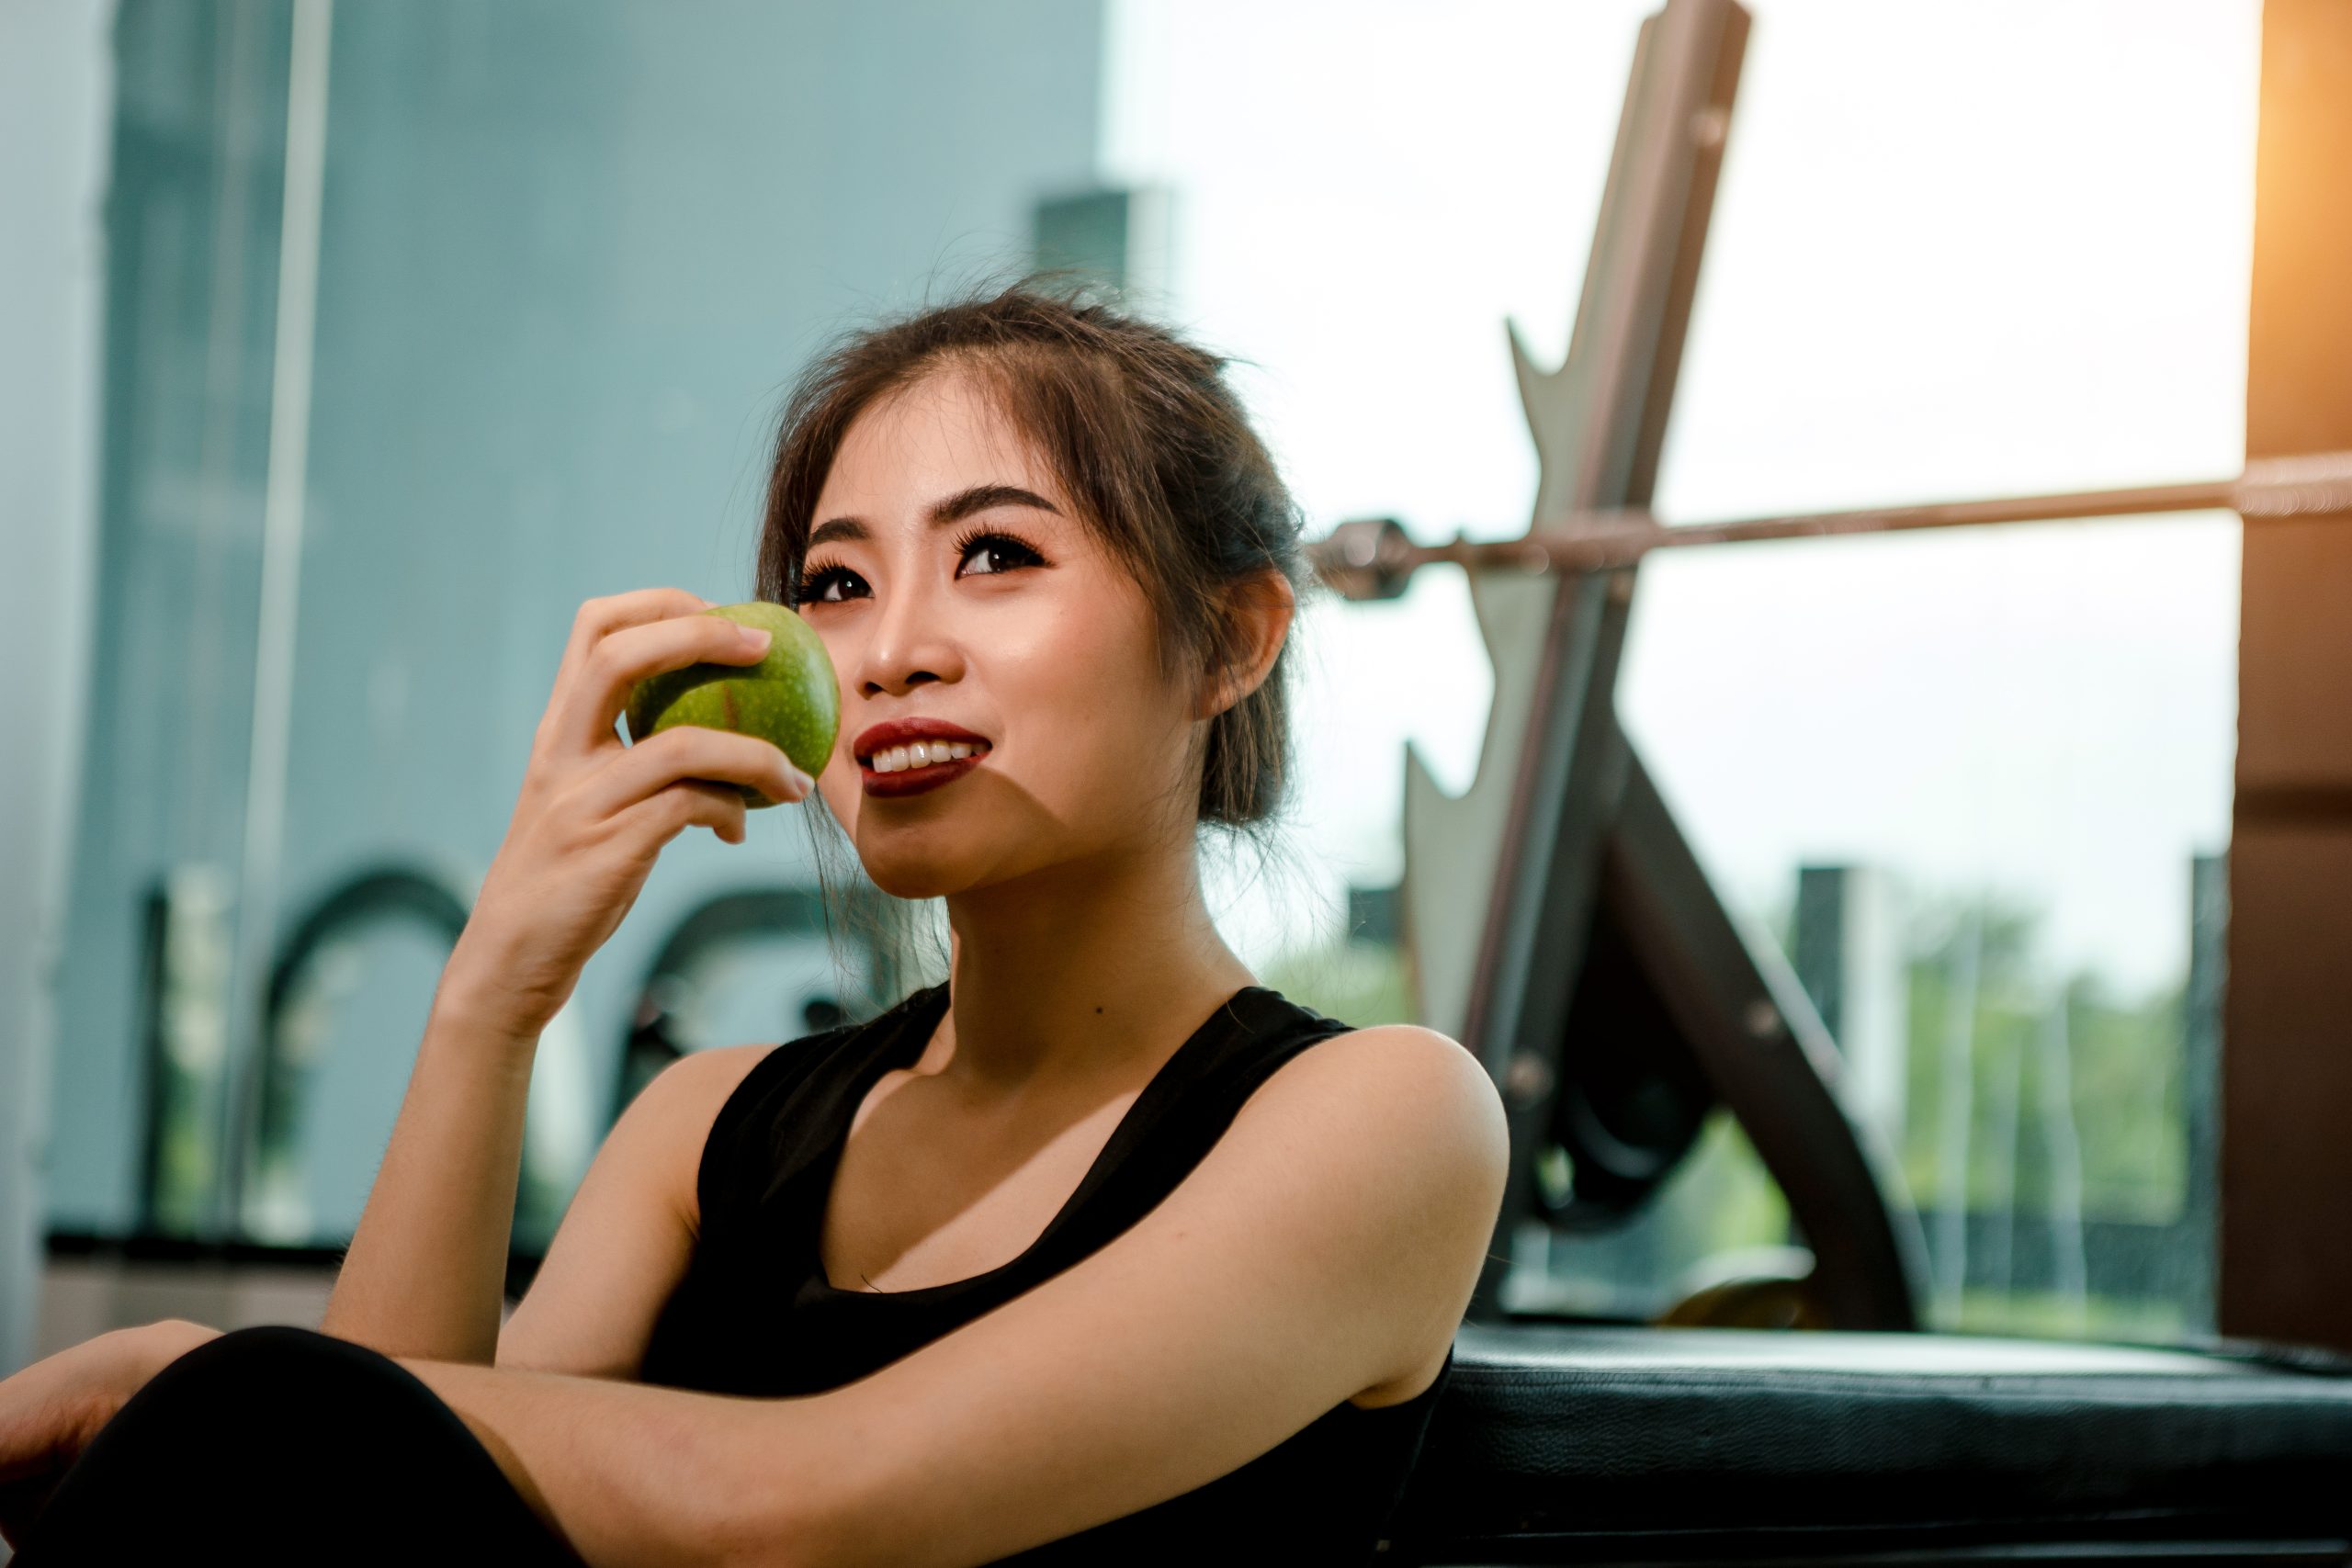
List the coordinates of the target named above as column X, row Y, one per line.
column 756, row 1316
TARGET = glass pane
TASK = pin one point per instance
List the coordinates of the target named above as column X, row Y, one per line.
column 2026, row 736
column 569, row 256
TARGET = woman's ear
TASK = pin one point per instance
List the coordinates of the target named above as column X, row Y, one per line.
column 1258, row 613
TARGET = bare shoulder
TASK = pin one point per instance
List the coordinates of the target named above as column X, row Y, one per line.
column 689, row 1091
column 1390, row 1059
column 1394, row 1134
column 717, row 1069
column 671, row 1118
column 1421, row 1093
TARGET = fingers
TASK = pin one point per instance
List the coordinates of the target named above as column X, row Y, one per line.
column 597, row 617
column 592, row 692
column 692, row 752
column 689, row 803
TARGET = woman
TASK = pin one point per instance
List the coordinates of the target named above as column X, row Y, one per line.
column 1097, row 1243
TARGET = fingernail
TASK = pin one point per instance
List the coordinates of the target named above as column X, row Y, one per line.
column 755, row 639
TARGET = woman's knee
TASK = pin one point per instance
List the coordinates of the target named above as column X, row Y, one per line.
column 303, row 1408
column 247, row 1349
column 248, row 1367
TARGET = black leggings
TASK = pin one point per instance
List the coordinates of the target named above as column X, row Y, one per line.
column 276, row 1445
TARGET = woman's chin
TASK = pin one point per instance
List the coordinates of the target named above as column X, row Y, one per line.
column 907, row 876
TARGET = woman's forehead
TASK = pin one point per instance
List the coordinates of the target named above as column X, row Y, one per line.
column 942, row 434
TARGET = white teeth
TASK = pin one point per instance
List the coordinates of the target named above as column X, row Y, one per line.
column 920, row 754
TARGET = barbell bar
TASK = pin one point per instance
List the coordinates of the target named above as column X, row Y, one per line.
column 1372, row 558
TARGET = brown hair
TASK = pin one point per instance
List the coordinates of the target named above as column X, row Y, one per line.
column 1147, row 440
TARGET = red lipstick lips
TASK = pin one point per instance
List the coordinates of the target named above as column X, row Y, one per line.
column 882, row 737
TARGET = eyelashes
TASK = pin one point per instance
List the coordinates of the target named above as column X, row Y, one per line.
column 820, row 581
column 816, row 584
column 1020, row 552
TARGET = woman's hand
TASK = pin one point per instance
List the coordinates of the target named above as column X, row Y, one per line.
column 594, row 812
column 51, row 1410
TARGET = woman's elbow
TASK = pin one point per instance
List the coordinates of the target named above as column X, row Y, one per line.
column 763, row 1510
column 773, row 1537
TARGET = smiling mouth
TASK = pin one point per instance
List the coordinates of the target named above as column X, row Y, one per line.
column 919, row 767
column 918, row 755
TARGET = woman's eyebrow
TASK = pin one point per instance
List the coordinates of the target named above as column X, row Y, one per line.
column 980, row 498
column 953, row 508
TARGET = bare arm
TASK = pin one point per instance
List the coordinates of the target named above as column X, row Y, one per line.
column 626, row 1473
column 425, row 1273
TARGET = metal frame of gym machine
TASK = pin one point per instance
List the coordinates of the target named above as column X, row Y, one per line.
column 1605, row 987
column 1593, row 900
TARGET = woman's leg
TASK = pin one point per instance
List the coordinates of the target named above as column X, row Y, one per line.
column 276, row 1445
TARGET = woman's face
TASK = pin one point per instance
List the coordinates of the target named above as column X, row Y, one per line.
column 952, row 581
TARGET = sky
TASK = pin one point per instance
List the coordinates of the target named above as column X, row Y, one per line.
column 1956, row 251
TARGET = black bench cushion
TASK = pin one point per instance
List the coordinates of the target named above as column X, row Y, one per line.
column 1568, row 1431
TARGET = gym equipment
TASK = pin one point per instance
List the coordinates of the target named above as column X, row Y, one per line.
column 1597, row 976
column 1373, row 557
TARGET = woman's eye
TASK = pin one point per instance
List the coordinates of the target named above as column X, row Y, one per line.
column 993, row 553
column 829, row 584
column 998, row 552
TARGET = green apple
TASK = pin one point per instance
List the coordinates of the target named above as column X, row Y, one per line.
column 790, row 699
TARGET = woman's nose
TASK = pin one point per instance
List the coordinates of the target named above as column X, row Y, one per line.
column 913, row 642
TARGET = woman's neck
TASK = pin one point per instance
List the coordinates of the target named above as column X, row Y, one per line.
column 1087, row 970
